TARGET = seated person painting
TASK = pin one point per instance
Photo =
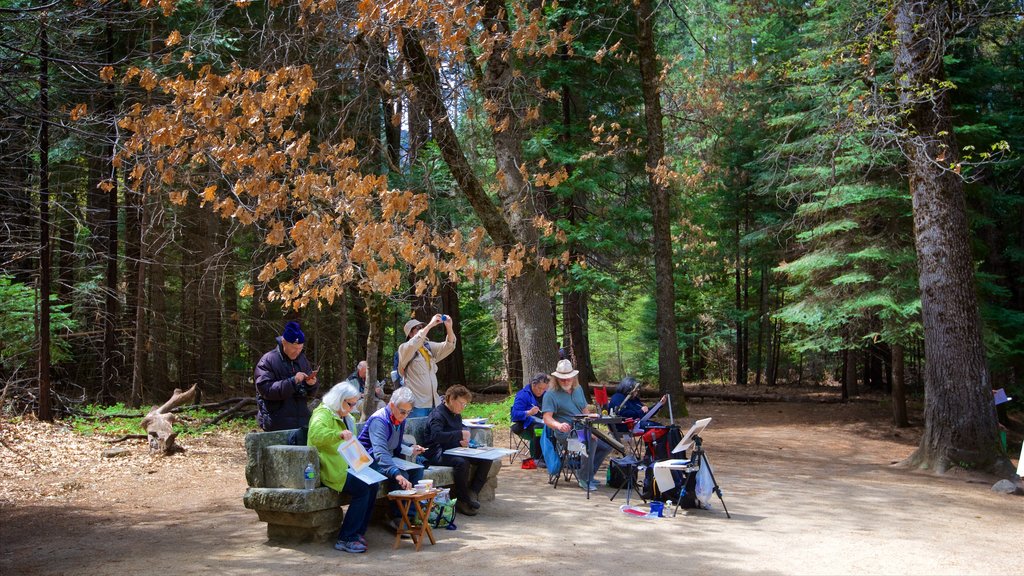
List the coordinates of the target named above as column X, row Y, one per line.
column 525, row 417
column 329, row 426
column 625, row 403
column 561, row 403
column 381, row 436
column 445, row 431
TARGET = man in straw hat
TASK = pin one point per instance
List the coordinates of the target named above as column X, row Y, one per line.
column 563, row 401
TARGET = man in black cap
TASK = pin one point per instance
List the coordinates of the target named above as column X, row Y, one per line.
column 284, row 380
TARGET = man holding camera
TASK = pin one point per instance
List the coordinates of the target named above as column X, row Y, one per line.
column 418, row 358
column 284, row 381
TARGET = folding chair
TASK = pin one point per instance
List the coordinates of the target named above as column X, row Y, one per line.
column 571, row 453
column 517, row 443
column 601, row 398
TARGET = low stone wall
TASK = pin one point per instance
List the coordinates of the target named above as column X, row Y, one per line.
column 277, row 491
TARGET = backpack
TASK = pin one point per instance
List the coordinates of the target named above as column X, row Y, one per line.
column 661, row 440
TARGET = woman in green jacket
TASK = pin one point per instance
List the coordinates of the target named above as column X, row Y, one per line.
column 329, row 426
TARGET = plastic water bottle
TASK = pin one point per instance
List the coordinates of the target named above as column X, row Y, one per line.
column 309, row 475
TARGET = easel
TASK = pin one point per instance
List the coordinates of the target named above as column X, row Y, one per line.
column 693, row 440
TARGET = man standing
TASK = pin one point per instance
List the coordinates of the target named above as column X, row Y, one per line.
column 284, row 380
column 417, row 362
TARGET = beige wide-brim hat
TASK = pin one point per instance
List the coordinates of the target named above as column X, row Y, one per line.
column 412, row 324
column 564, row 370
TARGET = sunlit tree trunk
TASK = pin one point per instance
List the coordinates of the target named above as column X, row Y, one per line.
column 670, row 378
column 960, row 419
column 512, row 225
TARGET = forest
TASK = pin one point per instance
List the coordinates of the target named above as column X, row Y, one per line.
column 754, row 194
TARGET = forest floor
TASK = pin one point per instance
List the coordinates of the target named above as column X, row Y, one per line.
column 811, row 489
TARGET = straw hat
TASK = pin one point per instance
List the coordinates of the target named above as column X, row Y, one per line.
column 564, row 370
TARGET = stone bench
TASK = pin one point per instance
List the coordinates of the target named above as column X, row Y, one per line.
column 277, row 493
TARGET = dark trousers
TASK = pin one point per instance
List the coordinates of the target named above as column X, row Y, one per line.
column 528, row 433
column 461, row 468
column 360, row 508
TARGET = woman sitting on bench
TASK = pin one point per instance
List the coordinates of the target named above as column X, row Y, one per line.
column 329, row 426
column 444, row 431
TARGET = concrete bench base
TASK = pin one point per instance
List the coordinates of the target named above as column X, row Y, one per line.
column 276, row 488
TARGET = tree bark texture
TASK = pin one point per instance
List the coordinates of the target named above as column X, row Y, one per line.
column 670, row 378
column 45, row 412
column 960, row 419
column 899, row 395
column 111, row 303
column 513, row 224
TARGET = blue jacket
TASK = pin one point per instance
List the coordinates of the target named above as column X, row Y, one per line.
column 383, row 440
column 524, row 401
column 632, row 409
column 280, row 400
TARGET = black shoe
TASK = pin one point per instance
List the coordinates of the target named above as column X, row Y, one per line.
column 473, row 499
column 464, row 508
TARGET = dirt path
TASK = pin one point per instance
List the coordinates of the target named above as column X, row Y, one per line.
column 810, row 489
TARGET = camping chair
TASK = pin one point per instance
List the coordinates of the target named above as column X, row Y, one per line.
column 521, row 441
column 601, row 399
column 517, row 443
column 572, row 455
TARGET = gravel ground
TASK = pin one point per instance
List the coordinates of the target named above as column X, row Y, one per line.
column 810, row 487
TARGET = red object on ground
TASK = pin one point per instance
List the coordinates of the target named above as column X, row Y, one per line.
column 529, row 464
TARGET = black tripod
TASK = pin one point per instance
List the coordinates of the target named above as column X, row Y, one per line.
column 700, row 458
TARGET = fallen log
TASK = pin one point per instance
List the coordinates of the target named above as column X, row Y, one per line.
column 127, row 437
column 754, row 396
column 233, row 411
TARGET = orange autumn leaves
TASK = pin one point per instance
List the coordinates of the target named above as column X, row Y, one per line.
column 230, row 141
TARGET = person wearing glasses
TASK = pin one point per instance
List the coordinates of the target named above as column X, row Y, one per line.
column 525, row 416
column 444, row 432
column 382, row 434
column 329, row 426
column 561, row 404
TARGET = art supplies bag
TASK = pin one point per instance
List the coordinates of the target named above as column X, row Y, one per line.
column 442, row 514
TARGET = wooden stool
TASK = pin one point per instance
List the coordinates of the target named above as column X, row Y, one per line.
column 405, row 526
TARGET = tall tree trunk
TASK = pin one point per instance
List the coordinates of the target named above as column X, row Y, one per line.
column 141, row 328
column 375, row 316
column 762, row 305
column 157, row 343
column 575, row 319
column 45, row 412
column 670, row 377
column 513, row 224
column 342, row 348
column 512, row 359
column 453, row 369
column 850, row 378
column 210, row 355
column 899, row 395
column 741, row 368
column 133, row 280
column 960, row 420
column 109, row 175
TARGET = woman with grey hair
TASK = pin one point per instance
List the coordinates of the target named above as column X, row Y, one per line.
column 382, row 434
column 329, row 426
